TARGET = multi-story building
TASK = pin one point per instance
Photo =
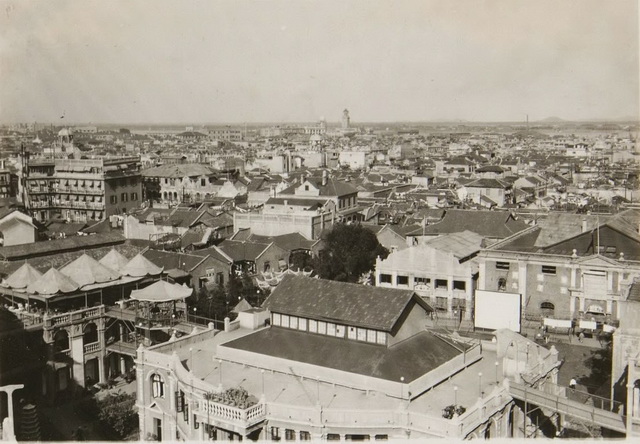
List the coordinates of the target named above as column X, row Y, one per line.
column 568, row 266
column 307, row 207
column 336, row 361
column 80, row 190
column 227, row 134
column 443, row 272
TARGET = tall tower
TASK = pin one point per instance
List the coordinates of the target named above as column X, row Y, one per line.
column 345, row 119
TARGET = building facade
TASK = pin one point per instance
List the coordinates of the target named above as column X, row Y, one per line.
column 82, row 190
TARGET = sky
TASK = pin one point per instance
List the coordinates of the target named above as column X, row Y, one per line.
column 159, row 61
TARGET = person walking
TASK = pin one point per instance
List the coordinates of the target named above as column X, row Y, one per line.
column 573, row 383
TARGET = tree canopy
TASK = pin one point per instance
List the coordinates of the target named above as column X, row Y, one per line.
column 349, row 251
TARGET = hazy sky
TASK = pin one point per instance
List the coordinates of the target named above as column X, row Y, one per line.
column 271, row 61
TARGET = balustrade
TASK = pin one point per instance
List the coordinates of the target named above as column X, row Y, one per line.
column 93, row 347
column 243, row 417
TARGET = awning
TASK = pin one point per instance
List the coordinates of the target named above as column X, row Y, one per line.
column 162, row 291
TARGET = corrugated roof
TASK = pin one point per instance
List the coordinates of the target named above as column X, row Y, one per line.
column 352, row 304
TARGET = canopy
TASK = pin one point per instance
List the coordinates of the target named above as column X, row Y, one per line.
column 140, row 266
column 22, row 277
column 53, row 282
column 114, row 260
column 85, row 270
column 162, row 291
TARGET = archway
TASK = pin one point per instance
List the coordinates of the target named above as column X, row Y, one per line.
column 61, row 341
column 90, row 334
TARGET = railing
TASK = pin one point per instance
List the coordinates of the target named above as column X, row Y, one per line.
column 73, row 316
column 93, row 347
column 243, row 417
column 79, row 190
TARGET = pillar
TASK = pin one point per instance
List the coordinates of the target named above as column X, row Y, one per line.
column 123, row 365
column 482, row 279
column 102, row 373
column 77, row 355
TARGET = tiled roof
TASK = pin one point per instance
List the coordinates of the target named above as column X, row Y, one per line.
column 288, row 242
column 487, row 183
column 352, row 304
column 170, row 259
column 242, row 251
column 74, row 243
column 460, row 244
column 492, row 224
column 331, row 189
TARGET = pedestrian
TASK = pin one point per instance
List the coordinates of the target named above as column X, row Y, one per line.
column 573, row 383
column 581, row 336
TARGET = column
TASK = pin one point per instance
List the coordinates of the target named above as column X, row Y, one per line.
column 469, row 302
column 101, row 369
column 450, row 295
column 394, row 279
column 482, row 278
column 77, row 355
column 123, row 365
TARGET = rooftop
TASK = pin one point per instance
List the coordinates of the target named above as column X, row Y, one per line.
column 353, row 304
column 410, row 359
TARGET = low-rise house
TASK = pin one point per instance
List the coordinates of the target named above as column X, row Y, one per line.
column 16, row 228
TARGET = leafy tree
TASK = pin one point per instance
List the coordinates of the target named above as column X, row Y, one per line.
column 349, row 251
column 118, row 412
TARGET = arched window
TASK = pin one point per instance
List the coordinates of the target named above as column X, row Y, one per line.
column 157, row 386
column 90, row 334
column 547, row 308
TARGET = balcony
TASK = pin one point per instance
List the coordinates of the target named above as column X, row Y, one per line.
column 95, row 191
column 237, row 418
column 73, row 316
column 93, row 347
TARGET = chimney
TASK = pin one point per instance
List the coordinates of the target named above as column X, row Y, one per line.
column 324, row 178
column 584, row 224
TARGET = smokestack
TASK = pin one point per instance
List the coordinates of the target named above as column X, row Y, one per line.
column 584, row 224
column 324, row 177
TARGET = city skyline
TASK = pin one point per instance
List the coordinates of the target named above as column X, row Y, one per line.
column 240, row 62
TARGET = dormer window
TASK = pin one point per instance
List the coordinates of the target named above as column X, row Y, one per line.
column 306, row 187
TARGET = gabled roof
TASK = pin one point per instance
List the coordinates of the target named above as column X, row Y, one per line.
column 352, row 304
column 52, row 282
column 242, row 251
column 489, row 224
column 85, row 270
column 487, row 183
column 171, row 259
column 288, row 242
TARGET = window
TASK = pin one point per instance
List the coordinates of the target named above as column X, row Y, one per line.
column 385, row 278
column 275, row 433
column 382, row 437
column 302, row 324
column 124, row 197
column 322, row 327
column 421, row 281
column 157, row 386
column 441, row 284
column 459, row 285
column 134, row 196
column 502, row 265
column 313, row 326
column 267, row 266
column 285, row 321
column 382, row 338
column 289, row 435
column 351, row 333
column 306, row 187
column 502, row 284
column 203, row 182
column 362, row 334
column 548, row 269
column 276, row 319
column 331, row 329
column 305, row 436
column 371, row 336
column 547, row 306
column 113, row 199
column 293, row 322
column 402, row 280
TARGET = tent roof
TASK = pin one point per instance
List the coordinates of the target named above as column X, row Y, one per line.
column 53, row 282
column 114, row 260
column 243, row 305
column 85, row 270
column 140, row 266
column 162, row 291
column 22, row 277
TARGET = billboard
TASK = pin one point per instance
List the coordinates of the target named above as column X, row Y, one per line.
column 497, row 309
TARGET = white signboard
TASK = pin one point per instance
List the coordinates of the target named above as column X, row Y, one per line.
column 557, row 323
column 589, row 325
column 497, row 309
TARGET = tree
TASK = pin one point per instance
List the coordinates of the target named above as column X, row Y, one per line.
column 349, row 251
column 118, row 412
